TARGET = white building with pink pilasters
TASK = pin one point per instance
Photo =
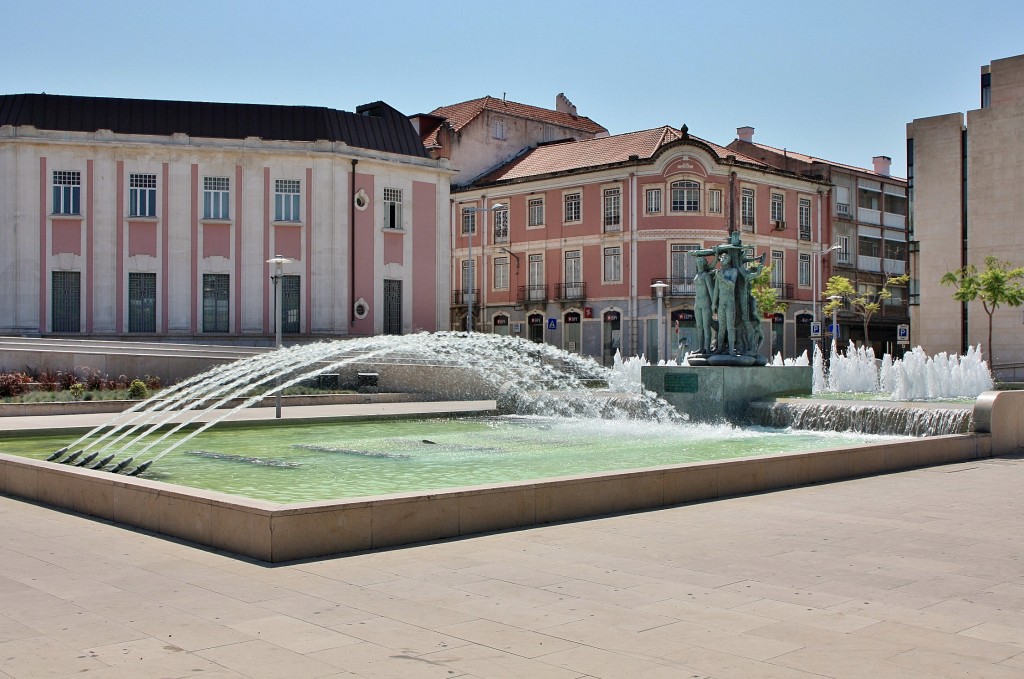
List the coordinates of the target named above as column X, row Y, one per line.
column 141, row 219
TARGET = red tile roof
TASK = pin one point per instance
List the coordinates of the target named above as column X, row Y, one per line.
column 803, row 157
column 459, row 115
column 588, row 153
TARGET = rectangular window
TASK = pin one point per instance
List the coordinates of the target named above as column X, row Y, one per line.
column 778, row 272
column 778, row 208
column 216, row 302
column 141, row 302
column 536, row 274
column 142, row 195
column 685, row 196
column 468, row 221
column 870, row 247
column 804, row 219
column 67, row 192
column 216, row 197
column 843, row 253
column 536, row 206
column 895, row 249
column 468, row 276
column 869, row 199
column 612, row 210
column 896, row 205
column 392, row 208
column 572, row 207
column 286, row 200
column 573, row 267
column 66, row 301
column 653, row 202
column 804, row 274
column 291, row 287
column 684, row 269
column 501, row 273
column 715, row 200
column 747, row 208
column 613, row 265
column 501, row 225
column 499, row 128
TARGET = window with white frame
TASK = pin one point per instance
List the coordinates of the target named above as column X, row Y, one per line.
column 715, row 200
column 778, row 208
column 141, row 195
column 652, row 204
column 536, row 212
column 613, row 265
column 501, row 225
column 843, row 201
column 804, row 272
column 747, row 208
column 392, row 208
column 778, row 272
column 613, row 209
column 468, row 276
column 498, row 128
column 468, row 221
column 286, row 200
column 573, row 274
column 501, row 273
column 572, row 206
column 216, row 197
column 683, row 268
column 536, row 272
column 685, row 196
column 843, row 253
column 804, row 218
column 67, row 192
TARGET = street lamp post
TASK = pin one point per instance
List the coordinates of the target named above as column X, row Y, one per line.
column 659, row 290
column 278, row 261
column 472, row 267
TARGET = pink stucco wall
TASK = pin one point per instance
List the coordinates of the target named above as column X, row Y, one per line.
column 216, row 240
column 424, row 275
column 142, row 239
column 365, row 258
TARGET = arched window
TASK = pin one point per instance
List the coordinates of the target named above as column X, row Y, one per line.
column 685, row 196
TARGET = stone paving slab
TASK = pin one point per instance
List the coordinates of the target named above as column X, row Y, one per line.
column 916, row 574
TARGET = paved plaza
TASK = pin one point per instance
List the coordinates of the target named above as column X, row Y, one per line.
column 916, row 574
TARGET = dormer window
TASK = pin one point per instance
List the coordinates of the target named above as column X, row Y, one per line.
column 498, row 128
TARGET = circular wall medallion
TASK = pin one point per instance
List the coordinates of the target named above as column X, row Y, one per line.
column 362, row 201
column 361, row 308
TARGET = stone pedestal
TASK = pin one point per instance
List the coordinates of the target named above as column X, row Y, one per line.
column 720, row 392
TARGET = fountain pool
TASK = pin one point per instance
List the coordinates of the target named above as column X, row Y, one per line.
column 328, row 461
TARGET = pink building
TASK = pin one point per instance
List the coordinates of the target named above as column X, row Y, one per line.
column 563, row 243
column 155, row 219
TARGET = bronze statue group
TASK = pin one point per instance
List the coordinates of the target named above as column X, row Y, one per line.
column 725, row 312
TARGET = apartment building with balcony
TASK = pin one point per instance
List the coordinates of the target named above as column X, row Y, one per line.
column 146, row 219
column 866, row 217
column 563, row 243
column 966, row 204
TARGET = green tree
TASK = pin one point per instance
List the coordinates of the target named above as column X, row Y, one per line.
column 863, row 303
column 996, row 285
column 767, row 298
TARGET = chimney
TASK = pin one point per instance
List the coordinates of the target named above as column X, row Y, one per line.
column 882, row 165
column 563, row 105
column 745, row 134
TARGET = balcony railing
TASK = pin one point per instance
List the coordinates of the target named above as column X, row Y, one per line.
column 677, row 287
column 462, row 297
column 565, row 292
column 894, row 267
column 532, row 293
column 785, row 289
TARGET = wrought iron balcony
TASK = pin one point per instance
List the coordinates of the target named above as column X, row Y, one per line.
column 532, row 293
column 462, row 297
column 785, row 290
column 677, row 287
column 565, row 292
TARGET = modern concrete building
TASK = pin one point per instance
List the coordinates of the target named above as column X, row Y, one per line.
column 563, row 243
column 865, row 219
column 146, row 219
column 480, row 134
column 967, row 204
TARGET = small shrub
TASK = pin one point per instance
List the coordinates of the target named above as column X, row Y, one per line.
column 65, row 378
column 95, row 380
column 153, row 383
column 13, row 384
column 77, row 391
column 47, row 381
column 138, row 390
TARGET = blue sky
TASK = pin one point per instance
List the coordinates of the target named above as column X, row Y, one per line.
column 838, row 80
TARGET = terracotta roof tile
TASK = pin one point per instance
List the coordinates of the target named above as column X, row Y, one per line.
column 803, row 157
column 578, row 155
column 461, row 114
